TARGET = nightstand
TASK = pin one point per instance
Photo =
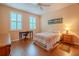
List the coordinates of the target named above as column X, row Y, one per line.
column 67, row 38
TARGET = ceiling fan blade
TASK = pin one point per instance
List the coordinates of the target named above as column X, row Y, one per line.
column 40, row 4
column 41, row 8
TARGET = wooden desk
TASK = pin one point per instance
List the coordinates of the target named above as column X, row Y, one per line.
column 25, row 34
column 5, row 44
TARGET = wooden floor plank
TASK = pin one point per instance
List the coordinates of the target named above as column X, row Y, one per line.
column 27, row 48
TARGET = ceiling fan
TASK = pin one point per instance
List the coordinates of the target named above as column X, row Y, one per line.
column 43, row 5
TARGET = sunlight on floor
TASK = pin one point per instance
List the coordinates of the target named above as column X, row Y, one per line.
column 67, row 54
column 16, row 52
column 32, row 50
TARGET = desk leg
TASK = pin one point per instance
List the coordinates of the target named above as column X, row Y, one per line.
column 20, row 35
column 30, row 34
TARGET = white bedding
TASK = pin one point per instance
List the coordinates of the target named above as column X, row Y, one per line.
column 47, row 38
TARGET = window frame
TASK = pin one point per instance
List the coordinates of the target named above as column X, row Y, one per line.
column 15, row 21
column 32, row 23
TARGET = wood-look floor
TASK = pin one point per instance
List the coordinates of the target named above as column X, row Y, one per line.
column 26, row 47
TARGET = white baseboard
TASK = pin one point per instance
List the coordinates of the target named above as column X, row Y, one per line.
column 15, row 40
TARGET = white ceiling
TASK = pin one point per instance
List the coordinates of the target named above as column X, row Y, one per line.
column 35, row 8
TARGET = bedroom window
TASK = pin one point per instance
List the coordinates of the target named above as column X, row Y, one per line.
column 32, row 23
column 16, row 23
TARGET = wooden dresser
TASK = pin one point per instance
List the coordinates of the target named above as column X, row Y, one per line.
column 5, row 44
column 67, row 38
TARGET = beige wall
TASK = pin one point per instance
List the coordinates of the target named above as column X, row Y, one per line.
column 70, row 17
column 5, row 18
column 0, row 21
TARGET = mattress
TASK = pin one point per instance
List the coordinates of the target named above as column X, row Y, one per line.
column 48, row 39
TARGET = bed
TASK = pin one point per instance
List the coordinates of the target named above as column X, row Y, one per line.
column 47, row 40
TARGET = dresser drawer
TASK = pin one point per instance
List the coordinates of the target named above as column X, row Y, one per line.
column 67, row 38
